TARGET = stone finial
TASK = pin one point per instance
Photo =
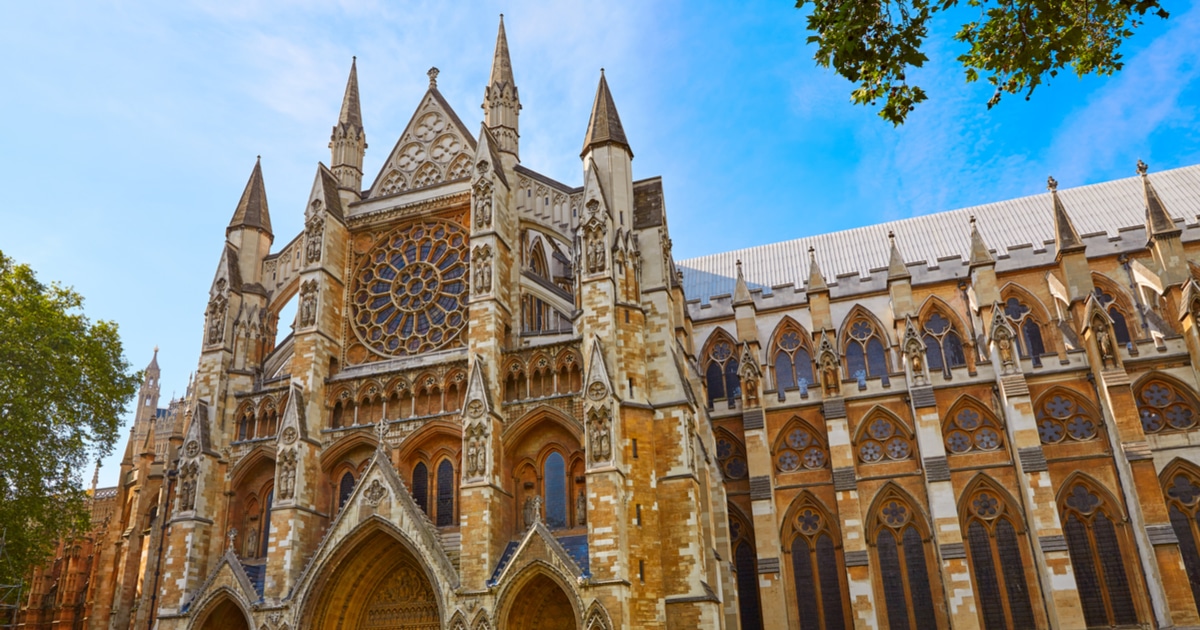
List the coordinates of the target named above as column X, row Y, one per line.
column 381, row 432
column 433, row 75
column 1142, row 168
column 1051, row 184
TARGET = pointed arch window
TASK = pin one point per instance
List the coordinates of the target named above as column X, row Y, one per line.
column 1030, row 337
column 1183, row 504
column 1094, row 543
column 1164, row 407
column 721, row 371
column 345, row 487
column 445, row 493
column 745, row 562
column 542, row 382
column 943, row 344
column 1062, row 416
column 800, row 449
column 420, row 486
column 1120, row 323
column 883, row 438
column 971, row 427
column 866, row 352
column 554, row 483
column 997, row 561
column 817, row 572
column 792, row 359
column 515, row 384
column 731, row 457
column 904, row 567
column 570, row 378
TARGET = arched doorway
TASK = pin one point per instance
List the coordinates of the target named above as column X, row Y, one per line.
column 378, row 584
column 223, row 614
column 540, row 604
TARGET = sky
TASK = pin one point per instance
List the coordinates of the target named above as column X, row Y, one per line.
column 130, row 128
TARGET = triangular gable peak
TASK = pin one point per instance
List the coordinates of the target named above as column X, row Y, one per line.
column 597, row 382
column 435, row 148
column 197, row 440
column 540, row 546
column 595, row 198
column 293, row 425
column 477, row 402
column 230, row 575
column 749, row 367
column 228, row 276
column 487, row 156
column 380, row 499
column 325, row 191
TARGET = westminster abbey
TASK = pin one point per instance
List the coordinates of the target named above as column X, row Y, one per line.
column 503, row 404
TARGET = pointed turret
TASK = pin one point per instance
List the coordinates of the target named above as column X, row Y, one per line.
column 348, row 142
column 604, row 127
column 980, row 254
column 1158, row 221
column 897, row 268
column 816, row 281
column 501, row 103
column 1066, row 237
column 252, row 208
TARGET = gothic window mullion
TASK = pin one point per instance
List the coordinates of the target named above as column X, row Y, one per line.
column 997, row 564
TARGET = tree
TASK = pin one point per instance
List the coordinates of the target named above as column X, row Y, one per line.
column 64, row 384
column 1018, row 44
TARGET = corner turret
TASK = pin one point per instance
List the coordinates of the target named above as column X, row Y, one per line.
column 348, row 142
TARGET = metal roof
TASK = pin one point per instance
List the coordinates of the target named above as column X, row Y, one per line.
column 1105, row 207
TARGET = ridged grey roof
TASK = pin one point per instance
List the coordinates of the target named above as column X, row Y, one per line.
column 1105, row 207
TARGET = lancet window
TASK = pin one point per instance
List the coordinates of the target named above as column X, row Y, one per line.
column 445, row 493
column 516, row 386
column 345, row 488
column 792, row 358
column 721, row 369
column 1030, row 337
column 1063, row 416
column 816, row 571
column 438, row 486
column 570, row 378
column 866, row 351
column 731, row 457
column 745, row 563
column 1182, row 489
column 882, row 437
column 1094, row 532
column 1165, row 406
column 420, row 486
column 943, row 343
column 541, row 383
column 993, row 529
column 800, row 449
column 554, row 485
column 1120, row 322
column 970, row 426
column 903, row 555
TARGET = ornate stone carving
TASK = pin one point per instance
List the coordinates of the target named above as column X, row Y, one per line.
column 533, row 510
column 289, row 435
column 313, row 235
column 475, row 408
column 308, row 303
column 1104, row 343
column 188, row 474
column 482, row 257
column 216, row 317
column 230, row 537
column 477, row 450
column 914, row 349
column 375, row 493
column 1002, row 337
column 600, row 434
column 597, row 390
column 192, row 449
column 483, row 202
column 287, row 474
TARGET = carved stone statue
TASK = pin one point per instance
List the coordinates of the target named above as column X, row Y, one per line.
column 230, row 537
column 251, row 542
column 483, row 269
column 287, row 474
column 581, row 508
column 596, row 260
column 916, row 359
column 187, row 486
column 313, row 233
column 216, row 320
column 308, row 304
column 483, row 204
column 750, row 388
column 600, row 434
column 1104, row 343
column 533, row 510
column 829, row 377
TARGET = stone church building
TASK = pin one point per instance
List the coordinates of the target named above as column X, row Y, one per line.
column 505, row 405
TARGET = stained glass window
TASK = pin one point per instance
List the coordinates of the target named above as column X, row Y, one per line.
column 420, row 486
column 410, row 291
column 1030, row 337
column 997, row 563
column 721, row 370
column 972, row 427
column 943, row 345
column 731, row 457
column 1098, row 559
column 793, row 361
column 883, row 439
column 801, row 450
column 1061, row 416
column 555, row 481
column 746, row 565
column 445, row 493
column 345, row 488
column 903, row 563
column 1120, row 326
column 866, row 353
column 1183, row 497
column 816, row 572
column 1164, row 406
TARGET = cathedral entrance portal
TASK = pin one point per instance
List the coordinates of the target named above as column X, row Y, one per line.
column 224, row 614
column 540, row 604
column 378, row 584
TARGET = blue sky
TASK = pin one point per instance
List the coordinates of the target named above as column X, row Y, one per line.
column 130, row 128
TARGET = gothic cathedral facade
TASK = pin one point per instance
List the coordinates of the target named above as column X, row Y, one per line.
column 505, row 405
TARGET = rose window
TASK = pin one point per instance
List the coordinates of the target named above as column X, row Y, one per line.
column 1161, row 406
column 410, row 294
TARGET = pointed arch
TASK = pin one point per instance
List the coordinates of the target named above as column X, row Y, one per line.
column 540, row 582
column 1165, row 403
column 222, row 609
column 1064, row 414
column 597, row 617
column 899, row 531
column 719, row 365
column 883, row 436
column 541, row 376
column 537, row 258
column 1031, row 320
column 745, row 562
column 865, row 344
column 943, row 333
column 791, row 356
column 816, row 564
column 1100, row 549
column 998, row 554
column 516, row 381
column 569, row 365
column 800, row 447
column 1181, row 488
column 1119, row 305
column 970, row 425
column 458, row 621
column 731, row 454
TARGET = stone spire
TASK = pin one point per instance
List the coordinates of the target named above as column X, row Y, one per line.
column 896, row 266
column 980, row 254
column 816, row 281
column 501, row 103
column 604, row 127
column 252, row 208
column 348, row 141
column 1158, row 220
column 1066, row 237
column 152, row 369
column 741, row 293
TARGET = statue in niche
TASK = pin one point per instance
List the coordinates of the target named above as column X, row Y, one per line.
column 830, row 381
column 581, row 509
column 216, row 319
column 600, row 435
column 483, row 204
column 252, row 538
column 476, row 452
column 1104, row 343
column 533, row 510
column 187, row 486
column 595, row 256
column 750, row 387
column 313, row 233
column 916, row 359
column 308, row 304
column 483, row 269
column 287, row 474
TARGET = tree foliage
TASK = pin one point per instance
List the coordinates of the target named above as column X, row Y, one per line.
column 64, row 384
column 1016, row 44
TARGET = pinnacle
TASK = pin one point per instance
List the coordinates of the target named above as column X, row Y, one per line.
column 1066, row 237
column 1158, row 220
column 252, row 208
column 816, row 281
column 502, row 73
column 897, row 268
column 351, row 113
column 980, row 254
column 604, row 127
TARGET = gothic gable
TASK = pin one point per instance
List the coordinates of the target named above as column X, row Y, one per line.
column 435, row 148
